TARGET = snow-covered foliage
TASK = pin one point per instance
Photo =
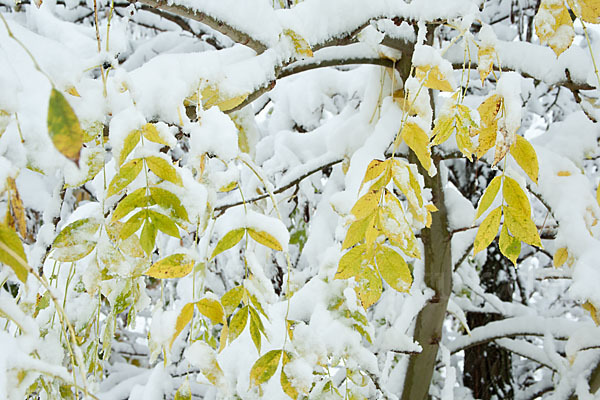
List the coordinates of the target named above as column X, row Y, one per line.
column 316, row 199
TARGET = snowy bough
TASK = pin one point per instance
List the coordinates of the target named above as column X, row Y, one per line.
column 319, row 199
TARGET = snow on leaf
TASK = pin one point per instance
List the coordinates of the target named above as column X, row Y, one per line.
column 161, row 168
column 393, row 269
column 509, row 245
column 231, row 299
column 553, row 25
column 16, row 205
column 127, row 173
column 173, row 266
column 133, row 224
column 169, row 201
column 152, row 134
column 212, row 97
column 211, row 309
column 587, row 10
column 164, row 223
column 374, row 170
column 418, row 141
column 184, row 392
column 264, row 368
column 301, row 46
column 63, row 127
column 432, row 77
column 485, row 61
column 488, row 196
column 265, row 239
column 368, row 286
column 357, row 230
column 524, row 154
column 76, row 240
column 489, row 108
column 443, row 128
column 228, row 241
column 11, row 252
column 487, row 230
column 136, row 199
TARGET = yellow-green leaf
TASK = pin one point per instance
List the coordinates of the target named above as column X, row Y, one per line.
column 418, row 141
column 137, row 199
column 395, row 226
column 211, row 309
column 443, row 129
column 524, row 154
column 125, row 176
column 164, row 223
column 184, row 318
column 489, row 195
column 63, row 127
column 228, row 241
column 232, row 299
column 152, row 134
column 522, row 227
column 265, row 239
column 254, row 329
column 509, row 245
column 16, row 205
column 129, row 144
column 238, row 323
column 368, row 287
column 356, row 231
column 173, row 266
column 163, row 169
column 76, row 240
column 366, row 205
column 553, row 25
column 560, row 257
column 12, row 253
column 515, row 197
column 184, row 392
column 393, row 269
column 433, row 78
column 132, row 225
column 148, row 236
column 287, row 387
column 264, row 368
column 350, row 263
column 487, row 230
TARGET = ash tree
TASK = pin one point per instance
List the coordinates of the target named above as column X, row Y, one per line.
column 318, row 199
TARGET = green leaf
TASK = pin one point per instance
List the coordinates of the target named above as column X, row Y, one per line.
column 211, row 309
column 228, row 241
column 170, row 202
column 137, row 199
column 509, row 246
column 125, row 176
column 393, row 269
column 63, row 127
column 148, row 236
column 515, row 197
column 185, row 316
column 133, row 224
column 238, row 323
column 232, row 299
column 522, row 226
column 152, row 134
column 163, row 169
column 487, row 230
column 12, row 253
column 264, row 368
column 129, row 144
column 173, row 266
column 489, row 195
column 76, row 240
column 265, row 239
column 350, row 263
column 524, row 154
column 164, row 223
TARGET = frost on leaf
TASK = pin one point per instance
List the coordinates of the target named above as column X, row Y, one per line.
column 553, row 25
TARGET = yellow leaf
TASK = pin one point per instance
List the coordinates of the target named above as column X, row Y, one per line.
column 163, row 169
column 63, row 127
column 164, row 223
column 560, row 257
column 301, row 46
column 76, row 240
column 593, row 312
column 489, row 108
column 184, row 392
column 265, row 239
column 72, row 91
column 487, row 139
column 185, row 316
column 228, row 241
column 598, row 195
column 350, row 263
column 212, row 309
column 238, row 323
column 444, row 126
column 485, row 62
column 357, row 231
column 418, row 141
column 12, row 253
column 393, row 269
column 132, row 225
column 17, row 207
column 366, row 205
column 487, row 230
column 489, row 195
column 564, row 173
column 264, row 368
column 374, row 170
column 152, row 134
column 394, row 225
column 229, row 187
column 509, row 245
column 129, row 144
column 587, row 10
column 522, row 227
column 212, row 97
column 433, row 78
column 173, row 266
column 515, row 197
column 168, row 201
column 553, row 25
column 125, row 176
column 287, row 387
column 137, row 199
column 524, row 154
column 148, row 236
column 232, row 299
column 368, row 286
